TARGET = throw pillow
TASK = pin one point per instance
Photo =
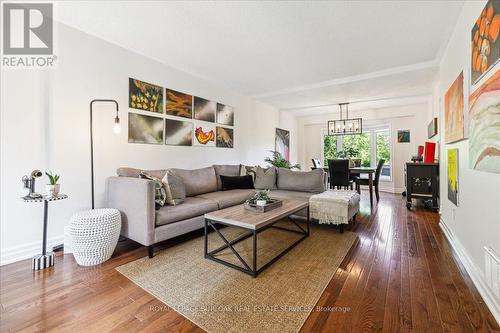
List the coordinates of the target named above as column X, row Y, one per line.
column 236, row 182
column 265, row 179
column 175, row 188
column 310, row 181
column 160, row 193
column 225, row 170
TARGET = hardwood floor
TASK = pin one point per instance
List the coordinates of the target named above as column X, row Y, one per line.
column 402, row 275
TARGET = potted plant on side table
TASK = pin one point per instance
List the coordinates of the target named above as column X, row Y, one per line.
column 53, row 187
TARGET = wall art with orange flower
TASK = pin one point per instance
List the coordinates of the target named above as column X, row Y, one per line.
column 485, row 40
column 484, row 125
column 204, row 134
column 454, row 111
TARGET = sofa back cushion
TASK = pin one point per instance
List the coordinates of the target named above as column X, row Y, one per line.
column 265, row 179
column 135, row 173
column 311, row 181
column 226, row 170
column 197, row 181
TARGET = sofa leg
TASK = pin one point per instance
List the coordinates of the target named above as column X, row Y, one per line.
column 150, row 251
column 341, row 228
column 354, row 218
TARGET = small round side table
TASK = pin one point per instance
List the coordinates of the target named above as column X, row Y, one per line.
column 46, row 259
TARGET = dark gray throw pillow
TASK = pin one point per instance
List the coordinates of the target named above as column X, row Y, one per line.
column 236, row 182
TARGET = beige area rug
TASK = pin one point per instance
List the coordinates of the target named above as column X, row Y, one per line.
column 221, row 299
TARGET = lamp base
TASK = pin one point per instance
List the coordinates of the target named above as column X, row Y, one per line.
column 41, row 261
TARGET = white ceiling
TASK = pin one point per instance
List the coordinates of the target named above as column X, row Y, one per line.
column 288, row 54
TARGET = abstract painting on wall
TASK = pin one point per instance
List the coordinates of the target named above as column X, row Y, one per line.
column 453, row 175
column 179, row 104
column 204, row 135
column 403, row 136
column 454, row 111
column 485, row 40
column 484, row 126
column 204, row 109
column 224, row 137
column 145, row 129
column 145, row 96
column 225, row 114
column 178, row 133
column 282, row 143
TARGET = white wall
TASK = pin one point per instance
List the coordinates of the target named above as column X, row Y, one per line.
column 45, row 125
column 411, row 117
column 475, row 223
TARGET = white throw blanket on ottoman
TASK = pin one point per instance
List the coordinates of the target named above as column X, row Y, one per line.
column 334, row 207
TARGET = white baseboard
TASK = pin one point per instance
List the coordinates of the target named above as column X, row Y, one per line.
column 28, row 250
column 475, row 273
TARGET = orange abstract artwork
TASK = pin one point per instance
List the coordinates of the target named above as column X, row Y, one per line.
column 204, row 137
column 454, row 111
column 485, row 40
column 179, row 104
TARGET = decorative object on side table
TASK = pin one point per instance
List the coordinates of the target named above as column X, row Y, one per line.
column 261, row 202
column 95, row 234
column 53, row 187
column 29, row 183
column 45, row 259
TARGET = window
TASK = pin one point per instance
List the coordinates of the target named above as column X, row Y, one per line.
column 371, row 146
column 329, row 148
column 357, row 146
column 384, row 151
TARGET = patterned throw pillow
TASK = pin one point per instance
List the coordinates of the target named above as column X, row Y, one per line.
column 160, row 193
column 175, row 188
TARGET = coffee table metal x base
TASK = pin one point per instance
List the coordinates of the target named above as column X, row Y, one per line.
column 251, row 270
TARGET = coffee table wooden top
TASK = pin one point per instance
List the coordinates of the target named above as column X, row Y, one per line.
column 240, row 217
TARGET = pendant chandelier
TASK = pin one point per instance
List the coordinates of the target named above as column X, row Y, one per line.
column 346, row 125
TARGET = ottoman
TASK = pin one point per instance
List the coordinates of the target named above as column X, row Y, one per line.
column 334, row 207
column 94, row 234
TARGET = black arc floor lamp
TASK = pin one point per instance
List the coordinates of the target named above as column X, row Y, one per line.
column 116, row 130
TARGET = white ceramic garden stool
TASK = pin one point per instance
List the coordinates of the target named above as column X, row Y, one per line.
column 95, row 234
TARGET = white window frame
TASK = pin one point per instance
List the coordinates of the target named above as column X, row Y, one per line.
column 372, row 130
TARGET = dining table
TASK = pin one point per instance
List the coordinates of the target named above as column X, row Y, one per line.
column 362, row 171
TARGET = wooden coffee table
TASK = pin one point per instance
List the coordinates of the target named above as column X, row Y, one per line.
column 254, row 223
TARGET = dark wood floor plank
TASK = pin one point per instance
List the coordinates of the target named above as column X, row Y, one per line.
column 400, row 276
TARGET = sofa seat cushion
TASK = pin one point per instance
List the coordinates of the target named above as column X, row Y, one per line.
column 229, row 198
column 191, row 207
column 284, row 194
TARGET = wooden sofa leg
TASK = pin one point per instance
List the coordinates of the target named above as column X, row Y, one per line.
column 341, row 228
column 150, row 251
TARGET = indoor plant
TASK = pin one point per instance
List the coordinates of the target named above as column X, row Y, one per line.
column 278, row 161
column 260, row 198
column 53, row 187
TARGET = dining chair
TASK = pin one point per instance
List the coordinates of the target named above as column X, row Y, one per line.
column 339, row 174
column 365, row 181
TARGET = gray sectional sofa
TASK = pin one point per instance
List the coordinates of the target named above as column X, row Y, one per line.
column 134, row 197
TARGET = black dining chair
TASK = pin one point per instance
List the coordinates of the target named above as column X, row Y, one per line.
column 365, row 181
column 339, row 174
